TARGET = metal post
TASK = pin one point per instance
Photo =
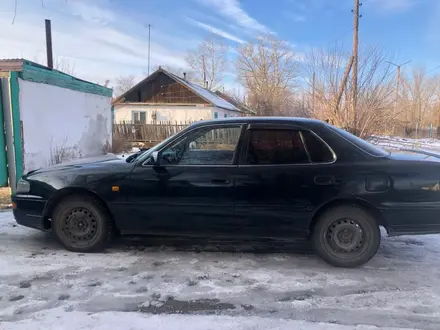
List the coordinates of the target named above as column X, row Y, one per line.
column 49, row 44
column 9, row 132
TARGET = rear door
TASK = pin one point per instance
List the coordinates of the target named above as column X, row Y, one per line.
column 280, row 182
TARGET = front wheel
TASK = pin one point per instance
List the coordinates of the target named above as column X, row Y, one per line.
column 346, row 236
column 81, row 224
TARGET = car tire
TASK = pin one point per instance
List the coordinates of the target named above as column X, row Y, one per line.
column 82, row 224
column 346, row 236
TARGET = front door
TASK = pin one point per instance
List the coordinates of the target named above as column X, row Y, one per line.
column 278, row 185
column 192, row 190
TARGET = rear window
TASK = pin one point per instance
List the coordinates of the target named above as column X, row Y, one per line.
column 361, row 144
column 319, row 152
column 275, row 147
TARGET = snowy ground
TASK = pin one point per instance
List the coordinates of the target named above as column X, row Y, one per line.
column 395, row 143
column 146, row 284
column 142, row 284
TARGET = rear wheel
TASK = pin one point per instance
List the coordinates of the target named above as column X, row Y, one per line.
column 81, row 224
column 346, row 236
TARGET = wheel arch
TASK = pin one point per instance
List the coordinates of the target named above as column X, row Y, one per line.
column 66, row 192
column 365, row 205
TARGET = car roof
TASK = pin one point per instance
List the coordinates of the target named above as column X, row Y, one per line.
column 290, row 120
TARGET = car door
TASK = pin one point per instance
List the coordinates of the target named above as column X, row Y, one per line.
column 191, row 190
column 278, row 187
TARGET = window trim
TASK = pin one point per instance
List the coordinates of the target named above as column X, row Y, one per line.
column 133, row 112
column 335, row 157
column 179, row 137
column 305, row 146
column 246, row 139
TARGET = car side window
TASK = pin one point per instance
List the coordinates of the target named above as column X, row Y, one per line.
column 205, row 146
column 275, row 147
column 319, row 152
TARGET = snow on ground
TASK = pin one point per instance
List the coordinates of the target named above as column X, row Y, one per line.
column 396, row 142
column 161, row 284
column 128, row 153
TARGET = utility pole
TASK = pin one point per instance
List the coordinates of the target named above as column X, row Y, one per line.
column 355, row 11
column 313, row 91
column 149, row 47
column 204, row 71
column 397, row 85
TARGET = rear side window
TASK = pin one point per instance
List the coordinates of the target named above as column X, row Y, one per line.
column 319, row 152
column 275, row 147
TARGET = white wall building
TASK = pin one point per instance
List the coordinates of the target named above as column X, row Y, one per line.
column 165, row 97
column 50, row 117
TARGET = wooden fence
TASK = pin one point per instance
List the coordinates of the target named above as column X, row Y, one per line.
column 147, row 133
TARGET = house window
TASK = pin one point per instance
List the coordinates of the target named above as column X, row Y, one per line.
column 226, row 115
column 139, row 117
column 215, row 115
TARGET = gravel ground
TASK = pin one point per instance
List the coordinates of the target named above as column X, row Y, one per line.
column 163, row 284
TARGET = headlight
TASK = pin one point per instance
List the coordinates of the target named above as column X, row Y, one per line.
column 23, row 187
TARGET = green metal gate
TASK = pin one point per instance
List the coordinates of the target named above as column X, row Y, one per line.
column 3, row 161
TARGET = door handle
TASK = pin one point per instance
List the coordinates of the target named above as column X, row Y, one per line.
column 324, row 180
column 220, row 181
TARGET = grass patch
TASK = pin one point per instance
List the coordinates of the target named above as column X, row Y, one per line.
column 5, row 198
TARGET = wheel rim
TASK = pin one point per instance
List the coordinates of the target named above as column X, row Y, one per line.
column 346, row 238
column 80, row 226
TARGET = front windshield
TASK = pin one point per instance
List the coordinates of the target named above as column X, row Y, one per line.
column 360, row 143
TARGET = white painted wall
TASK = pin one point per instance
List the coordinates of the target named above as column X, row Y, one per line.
column 123, row 112
column 222, row 113
column 57, row 119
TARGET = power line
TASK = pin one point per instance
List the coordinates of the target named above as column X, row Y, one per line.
column 437, row 67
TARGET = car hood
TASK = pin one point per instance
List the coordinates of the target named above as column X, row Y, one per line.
column 103, row 162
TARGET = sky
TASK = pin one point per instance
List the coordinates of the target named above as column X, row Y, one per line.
column 104, row 39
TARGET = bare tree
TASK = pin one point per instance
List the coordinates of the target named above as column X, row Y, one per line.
column 209, row 61
column 332, row 91
column 267, row 69
column 124, row 83
column 61, row 152
column 64, row 65
column 418, row 98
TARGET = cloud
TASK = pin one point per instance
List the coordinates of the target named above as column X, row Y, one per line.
column 392, row 5
column 232, row 10
column 99, row 42
column 216, row 31
column 91, row 12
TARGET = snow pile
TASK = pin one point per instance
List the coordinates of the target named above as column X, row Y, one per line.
column 396, row 143
column 57, row 319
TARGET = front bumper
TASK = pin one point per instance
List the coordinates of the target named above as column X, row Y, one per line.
column 29, row 211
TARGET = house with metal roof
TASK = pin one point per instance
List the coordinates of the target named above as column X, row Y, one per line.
column 165, row 97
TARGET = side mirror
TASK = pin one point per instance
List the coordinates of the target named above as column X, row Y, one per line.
column 155, row 157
